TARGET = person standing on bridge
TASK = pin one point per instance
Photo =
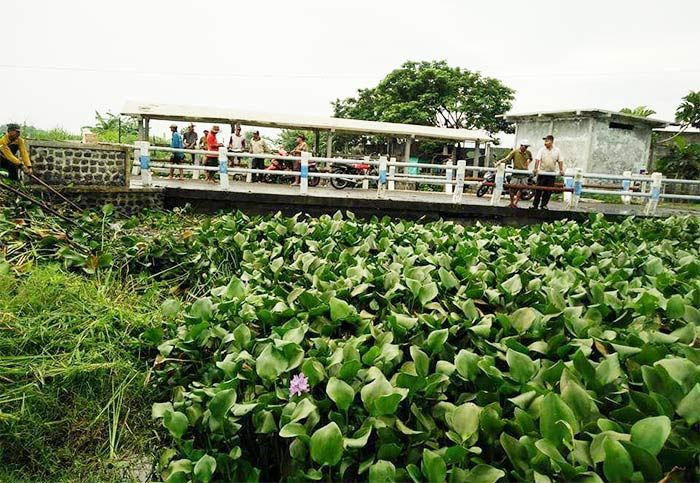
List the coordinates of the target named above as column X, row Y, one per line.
column 258, row 146
column 300, row 147
column 547, row 159
column 190, row 137
column 176, row 158
column 213, row 144
column 521, row 159
column 236, row 144
column 10, row 145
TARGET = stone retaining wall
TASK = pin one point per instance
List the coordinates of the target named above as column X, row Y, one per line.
column 63, row 163
column 125, row 201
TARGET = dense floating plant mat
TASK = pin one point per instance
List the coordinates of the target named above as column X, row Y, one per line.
column 341, row 350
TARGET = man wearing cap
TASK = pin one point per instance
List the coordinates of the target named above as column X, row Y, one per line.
column 257, row 146
column 11, row 144
column 548, row 159
column 213, row 144
column 190, row 138
column 521, row 159
column 176, row 158
column 300, row 147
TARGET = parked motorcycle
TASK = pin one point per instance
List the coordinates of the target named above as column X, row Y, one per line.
column 490, row 177
column 287, row 165
column 352, row 169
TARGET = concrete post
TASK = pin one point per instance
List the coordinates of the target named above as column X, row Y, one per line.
column 487, row 154
column 392, row 174
column 365, row 182
column 568, row 184
column 459, row 187
column 381, row 182
column 477, row 158
column 578, row 187
column 407, row 153
column 145, row 162
column 626, row 183
column 141, row 135
column 223, row 168
column 136, row 169
column 329, row 144
column 195, row 172
column 304, row 175
column 655, row 193
column 498, row 189
column 147, row 128
column 448, row 177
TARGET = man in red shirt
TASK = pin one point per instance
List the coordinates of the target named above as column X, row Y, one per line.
column 213, row 144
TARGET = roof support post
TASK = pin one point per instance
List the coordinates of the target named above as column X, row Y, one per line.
column 146, row 128
column 142, row 136
column 317, row 142
column 407, row 153
column 477, row 158
column 329, row 144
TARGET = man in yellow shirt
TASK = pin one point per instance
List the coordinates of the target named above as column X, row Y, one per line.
column 521, row 160
column 11, row 144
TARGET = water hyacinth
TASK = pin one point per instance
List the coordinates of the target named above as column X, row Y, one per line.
column 298, row 385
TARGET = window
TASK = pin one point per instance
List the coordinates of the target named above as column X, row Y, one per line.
column 619, row 125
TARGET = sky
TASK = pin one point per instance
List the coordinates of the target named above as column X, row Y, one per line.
column 65, row 60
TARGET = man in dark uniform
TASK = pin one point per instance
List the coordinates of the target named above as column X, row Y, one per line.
column 10, row 145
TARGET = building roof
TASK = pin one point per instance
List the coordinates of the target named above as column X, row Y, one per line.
column 675, row 129
column 528, row 116
column 297, row 121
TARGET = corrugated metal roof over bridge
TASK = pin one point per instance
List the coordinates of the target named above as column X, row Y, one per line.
column 173, row 112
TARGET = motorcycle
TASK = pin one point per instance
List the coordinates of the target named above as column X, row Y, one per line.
column 490, row 177
column 352, row 169
column 288, row 165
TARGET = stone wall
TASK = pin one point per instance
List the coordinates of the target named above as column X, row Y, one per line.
column 125, row 201
column 63, row 163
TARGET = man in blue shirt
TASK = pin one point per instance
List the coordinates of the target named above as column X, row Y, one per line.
column 176, row 158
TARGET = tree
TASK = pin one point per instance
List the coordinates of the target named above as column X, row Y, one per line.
column 432, row 94
column 682, row 161
column 640, row 111
column 688, row 113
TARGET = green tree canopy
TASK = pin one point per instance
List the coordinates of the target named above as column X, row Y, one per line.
column 641, row 111
column 688, row 112
column 432, row 94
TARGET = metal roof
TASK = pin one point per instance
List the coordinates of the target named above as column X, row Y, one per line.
column 175, row 112
column 585, row 113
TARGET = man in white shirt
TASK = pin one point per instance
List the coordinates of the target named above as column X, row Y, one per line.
column 236, row 143
column 258, row 146
column 548, row 159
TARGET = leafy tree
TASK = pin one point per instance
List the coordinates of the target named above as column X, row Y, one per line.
column 682, row 161
column 641, row 111
column 432, row 94
column 688, row 113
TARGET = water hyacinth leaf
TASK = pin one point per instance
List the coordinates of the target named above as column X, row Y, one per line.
column 421, row 361
column 436, row 340
column 327, row 445
column 447, row 278
column 360, row 438
column 158, row 410
column 689, row 407
column 523, row 318
column 340, row 310
column 204, row 468
column 651, row 433
column 175, row 422
column 170, row 308
column 522, row 368
column 485, row 474
column 644, row 462
column 292, row 430
column 464, row 420
column 513, row 285
column 340, row 392
column 466, row 363
column 427, row 293
column 554, row 410
column 270, row 364
column 618, row 464
column 202, row 309
column 382, row 471
column 221, row 403
column 683, row 371
column 609, row 370
column 433, row 467
column 675, row 307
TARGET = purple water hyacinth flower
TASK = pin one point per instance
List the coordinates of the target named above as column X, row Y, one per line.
column 299, row 385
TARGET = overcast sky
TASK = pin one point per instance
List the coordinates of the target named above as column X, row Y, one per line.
column 65, row 59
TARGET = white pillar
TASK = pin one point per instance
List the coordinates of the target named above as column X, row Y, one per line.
column 136, row 168
column 329, row 144
column 407, row 153
column 365, row 182
column 655, row 193
column 448, row 177
column 381, row 182
column 459, row 186
column 477, row 156
column 195, row 172
column 304, row 175
column 626, row 185
column 568, row 184
column 144, row 161
column 392, row 174
column 498, row 189
column 223, row 168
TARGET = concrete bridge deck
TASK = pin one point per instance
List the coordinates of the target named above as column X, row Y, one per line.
column 262, row 198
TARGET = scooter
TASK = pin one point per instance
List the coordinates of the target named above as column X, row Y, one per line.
column 288, row 165
column 490, row 177
column 353, row 169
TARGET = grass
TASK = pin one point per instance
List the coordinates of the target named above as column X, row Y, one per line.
column 74, row 378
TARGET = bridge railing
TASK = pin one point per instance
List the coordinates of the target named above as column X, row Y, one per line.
column 384, row 174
